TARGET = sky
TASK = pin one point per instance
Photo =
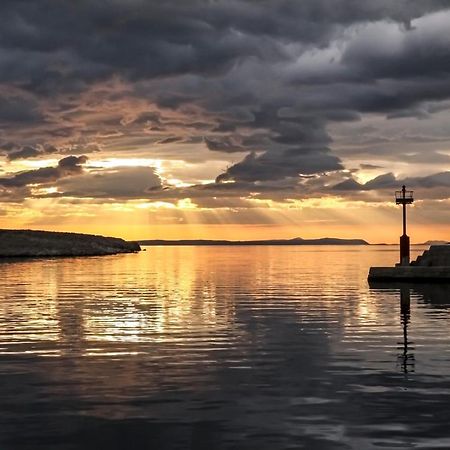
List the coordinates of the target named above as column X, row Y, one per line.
column 225, row 119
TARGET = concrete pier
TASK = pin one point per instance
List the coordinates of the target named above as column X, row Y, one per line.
column 410, row 273
column 432, row 265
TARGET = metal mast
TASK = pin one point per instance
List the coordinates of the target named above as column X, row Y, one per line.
column 404, row 198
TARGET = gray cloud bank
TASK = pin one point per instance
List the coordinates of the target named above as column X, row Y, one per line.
column 267, row 78
column 68, row 166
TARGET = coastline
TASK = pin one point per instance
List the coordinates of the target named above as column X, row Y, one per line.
column 296, row 241
column 37, row 244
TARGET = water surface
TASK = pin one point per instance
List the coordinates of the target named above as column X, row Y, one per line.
column 221, row 348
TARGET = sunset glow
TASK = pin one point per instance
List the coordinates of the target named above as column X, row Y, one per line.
column 226, row 128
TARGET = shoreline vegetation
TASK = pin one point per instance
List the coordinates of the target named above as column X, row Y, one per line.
column 32, row 243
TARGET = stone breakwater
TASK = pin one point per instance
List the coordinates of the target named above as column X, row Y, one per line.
column 30, row 243
column 436, row 256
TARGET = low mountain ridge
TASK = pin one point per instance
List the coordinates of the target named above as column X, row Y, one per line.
column 294, row 241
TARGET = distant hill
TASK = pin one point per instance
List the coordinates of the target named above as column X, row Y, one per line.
column 295, row 241
column 434, row 243
column 417, row 243
column 30, row 243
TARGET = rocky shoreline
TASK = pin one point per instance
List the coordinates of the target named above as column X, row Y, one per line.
column 31, row 243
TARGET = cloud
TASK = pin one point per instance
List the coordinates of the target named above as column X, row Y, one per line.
column 71, row 165
column 276, row 166
column 369, row 167
column 433, row 186
column 29, row 151
column 118, row 183
column 170, row 140
column 18, row 110
column 225, row 144
column 217, row 79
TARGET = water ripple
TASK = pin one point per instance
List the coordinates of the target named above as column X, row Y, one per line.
column 258, row 347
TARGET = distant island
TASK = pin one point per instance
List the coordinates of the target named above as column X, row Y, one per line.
column 31, row 243
column 295, row 241
column 434, row 243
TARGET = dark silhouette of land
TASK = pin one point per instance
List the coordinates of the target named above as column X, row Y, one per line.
column 295, row 241
column 31, row 243
column 434, row 243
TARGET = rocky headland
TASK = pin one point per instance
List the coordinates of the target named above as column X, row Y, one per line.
column 31, row 243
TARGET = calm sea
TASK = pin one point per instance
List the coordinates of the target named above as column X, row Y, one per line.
column 222, row 348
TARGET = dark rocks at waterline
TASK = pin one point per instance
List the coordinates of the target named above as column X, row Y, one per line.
column 30, row 243
column 436, row 256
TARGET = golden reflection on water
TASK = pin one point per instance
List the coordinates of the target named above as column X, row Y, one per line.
column 152, row 296
column 284, row 342
column 169, row 294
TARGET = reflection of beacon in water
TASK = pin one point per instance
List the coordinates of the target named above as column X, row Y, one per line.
column 406, row 358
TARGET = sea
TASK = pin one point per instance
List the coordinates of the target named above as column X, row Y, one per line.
column 218, row 347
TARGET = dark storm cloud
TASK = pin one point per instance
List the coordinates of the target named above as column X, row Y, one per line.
column 148, row 118
column 117, row 183
column 342, row 184
column 386, row 180
column 298, row 146
column 234, row 144
column 264, row 77
column 71, row 165
column 369, row 167
column 23, row 153
column 275, row 166
column 29, row 151
column 434, row 186
column 170, row 140
column 16, row 110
